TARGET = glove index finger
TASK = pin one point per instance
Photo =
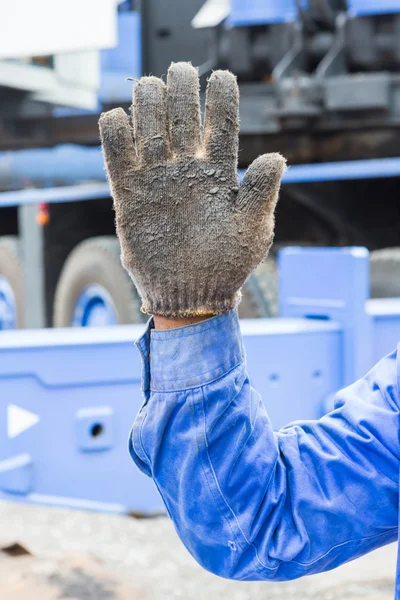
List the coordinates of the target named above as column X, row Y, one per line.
column 117, row 143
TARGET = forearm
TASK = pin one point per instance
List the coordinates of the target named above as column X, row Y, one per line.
column 249, row 503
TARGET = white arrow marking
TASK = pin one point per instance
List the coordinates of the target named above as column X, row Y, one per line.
column 19, row 420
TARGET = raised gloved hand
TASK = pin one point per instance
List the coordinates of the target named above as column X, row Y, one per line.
column 190, row 237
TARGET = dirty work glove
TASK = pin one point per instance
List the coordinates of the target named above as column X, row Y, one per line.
column 190, row 237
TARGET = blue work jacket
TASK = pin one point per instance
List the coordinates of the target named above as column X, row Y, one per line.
column 250, row 503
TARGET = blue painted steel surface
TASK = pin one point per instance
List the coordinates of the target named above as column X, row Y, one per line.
column 330, row 283
column 385, row 316
column 294, row 364
column 63, row 164
column 16, row 474
column 262, row 12
column 94, row 308
column 8, row 315
column 84, row 387
column 360, row 8
column 73, row 193
column 342, row 171
column 125, row 60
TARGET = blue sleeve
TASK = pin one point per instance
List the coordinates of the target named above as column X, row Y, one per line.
column 250, row 503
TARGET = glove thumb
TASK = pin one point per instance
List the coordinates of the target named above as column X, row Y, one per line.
column 259, row 191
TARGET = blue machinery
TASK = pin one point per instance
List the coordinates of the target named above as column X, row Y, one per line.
column 258, row 12
column 255, row 12
column 68, row 397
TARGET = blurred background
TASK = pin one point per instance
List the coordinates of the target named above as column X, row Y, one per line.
column 320, row 83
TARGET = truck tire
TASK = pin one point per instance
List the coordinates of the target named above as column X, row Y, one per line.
column 11, row 284
column 94, row 289
column 385, row 273
column 260, row 292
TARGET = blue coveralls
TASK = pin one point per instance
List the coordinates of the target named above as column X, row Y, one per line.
column 250, row 503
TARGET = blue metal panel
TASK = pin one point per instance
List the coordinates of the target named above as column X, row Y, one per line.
column 360, row 8
column 296, row 365
column 385, row 316
column 96, row 428
column 123, row 61
column 263, row 12
column 16, row 474
column 74, row 193
column 342, row 171
column 330, row 283
column 63, row 164
column 76, row 393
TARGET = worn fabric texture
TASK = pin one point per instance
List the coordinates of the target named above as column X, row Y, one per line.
column 190, row 236
column 249, row 502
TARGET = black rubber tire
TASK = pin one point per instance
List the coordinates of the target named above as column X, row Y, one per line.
column 96, row 261
column 385, row 273
column 11, row 269
column 260, row 292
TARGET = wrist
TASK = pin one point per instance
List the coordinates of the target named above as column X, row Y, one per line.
column 177, row 356
column 175, row 322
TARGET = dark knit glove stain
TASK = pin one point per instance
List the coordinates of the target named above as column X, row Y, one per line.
column 190, row 236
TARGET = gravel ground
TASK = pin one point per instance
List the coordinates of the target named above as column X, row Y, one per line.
column 87, row 556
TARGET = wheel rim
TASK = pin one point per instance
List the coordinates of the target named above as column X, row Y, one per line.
column 94, row 308
column 8, row 309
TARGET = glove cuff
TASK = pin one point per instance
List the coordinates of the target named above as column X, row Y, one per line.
column 182, row 305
